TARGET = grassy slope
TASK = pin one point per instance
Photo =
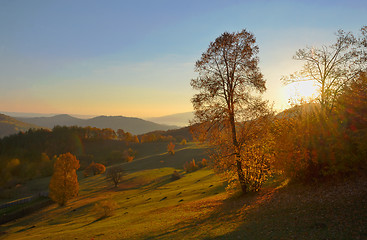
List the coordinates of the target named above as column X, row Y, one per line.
column 151, row 206
column 150, row 156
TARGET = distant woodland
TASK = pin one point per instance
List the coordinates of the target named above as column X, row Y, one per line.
column 31, row 154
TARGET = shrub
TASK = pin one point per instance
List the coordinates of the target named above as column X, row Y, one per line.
column 191, row 166
column 129, row 155
column 175, row 175
column 203, row 163
column 105, row 208
column 183, row 142
column 95, row 169
column 129, row 158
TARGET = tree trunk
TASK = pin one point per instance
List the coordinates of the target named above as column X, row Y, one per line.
column 241, row 177
column 240, row 174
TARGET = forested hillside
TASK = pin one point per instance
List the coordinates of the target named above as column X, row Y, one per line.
column 9, row 125
column 129, row 124
column 31, row 154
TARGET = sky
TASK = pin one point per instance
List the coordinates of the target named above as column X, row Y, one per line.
column 136, row 58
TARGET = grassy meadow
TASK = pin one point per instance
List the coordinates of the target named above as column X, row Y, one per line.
column 150, row 205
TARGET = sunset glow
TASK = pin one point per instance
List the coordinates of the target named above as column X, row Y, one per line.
column 301, row 90
column 119, row 58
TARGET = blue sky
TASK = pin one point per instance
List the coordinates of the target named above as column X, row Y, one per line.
column 136, row 58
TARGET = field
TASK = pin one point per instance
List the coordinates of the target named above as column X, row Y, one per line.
column 150, row 205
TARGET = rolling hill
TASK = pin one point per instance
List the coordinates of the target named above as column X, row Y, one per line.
column 130, row 124
column 149, row 204
column 179, row 119
column 9, row 125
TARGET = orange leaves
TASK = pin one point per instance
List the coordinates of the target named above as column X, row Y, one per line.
column 64, row 181
column 312, row 144
column 171, row 148
column 94, row 168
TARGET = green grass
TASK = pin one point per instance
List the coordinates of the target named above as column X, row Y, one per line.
column 18, row 207
column 151, row 155
column 151, row 159
column 152, row 206
column 146, row 200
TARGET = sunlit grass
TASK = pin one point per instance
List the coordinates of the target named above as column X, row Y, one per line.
column 150, row 205
column 148, row 202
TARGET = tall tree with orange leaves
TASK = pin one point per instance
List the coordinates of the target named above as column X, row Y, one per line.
column 228, row 75
column 64, row 181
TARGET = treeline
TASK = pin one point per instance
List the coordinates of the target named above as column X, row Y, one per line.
column 156, row 137
column 30, row 154
column 175, row 135
column 58, row 140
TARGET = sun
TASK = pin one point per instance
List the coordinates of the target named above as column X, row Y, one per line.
column 301, row 90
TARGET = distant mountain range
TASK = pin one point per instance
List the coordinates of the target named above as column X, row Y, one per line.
column 9, row 125
column 129, row 124
column 179, row 119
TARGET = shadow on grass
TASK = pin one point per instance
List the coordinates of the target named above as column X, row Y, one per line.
column 95, row 221
column 25, row 229
column 136, row 183
column 165, row 160
column 231, row 211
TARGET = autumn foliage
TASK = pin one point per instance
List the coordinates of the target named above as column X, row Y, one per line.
column 183, row 142
column 94, row 169
column 64, row 181
column 313, row 144
column 192, row 166
column 129, row 155
column 326, row 138
column 228, row 77
column 171, row 148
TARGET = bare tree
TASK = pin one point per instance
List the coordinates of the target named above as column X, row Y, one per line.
column 361, row 49
column 332, row 67
column 115, row 174
column 228, row 75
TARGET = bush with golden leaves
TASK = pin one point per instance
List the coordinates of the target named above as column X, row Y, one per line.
column 105, row 208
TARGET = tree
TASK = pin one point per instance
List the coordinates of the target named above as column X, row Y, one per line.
column 353, row 114
column 135, row 139
column 64, row 181
column 353, row 103
column 361, row 49
column 115, row 174
column 183, row 142
column 129, row 155
column 94, row 168
column 171, row 148
column 332, row 67
column 120, row 134
column 108, row 133
column 228, row 75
